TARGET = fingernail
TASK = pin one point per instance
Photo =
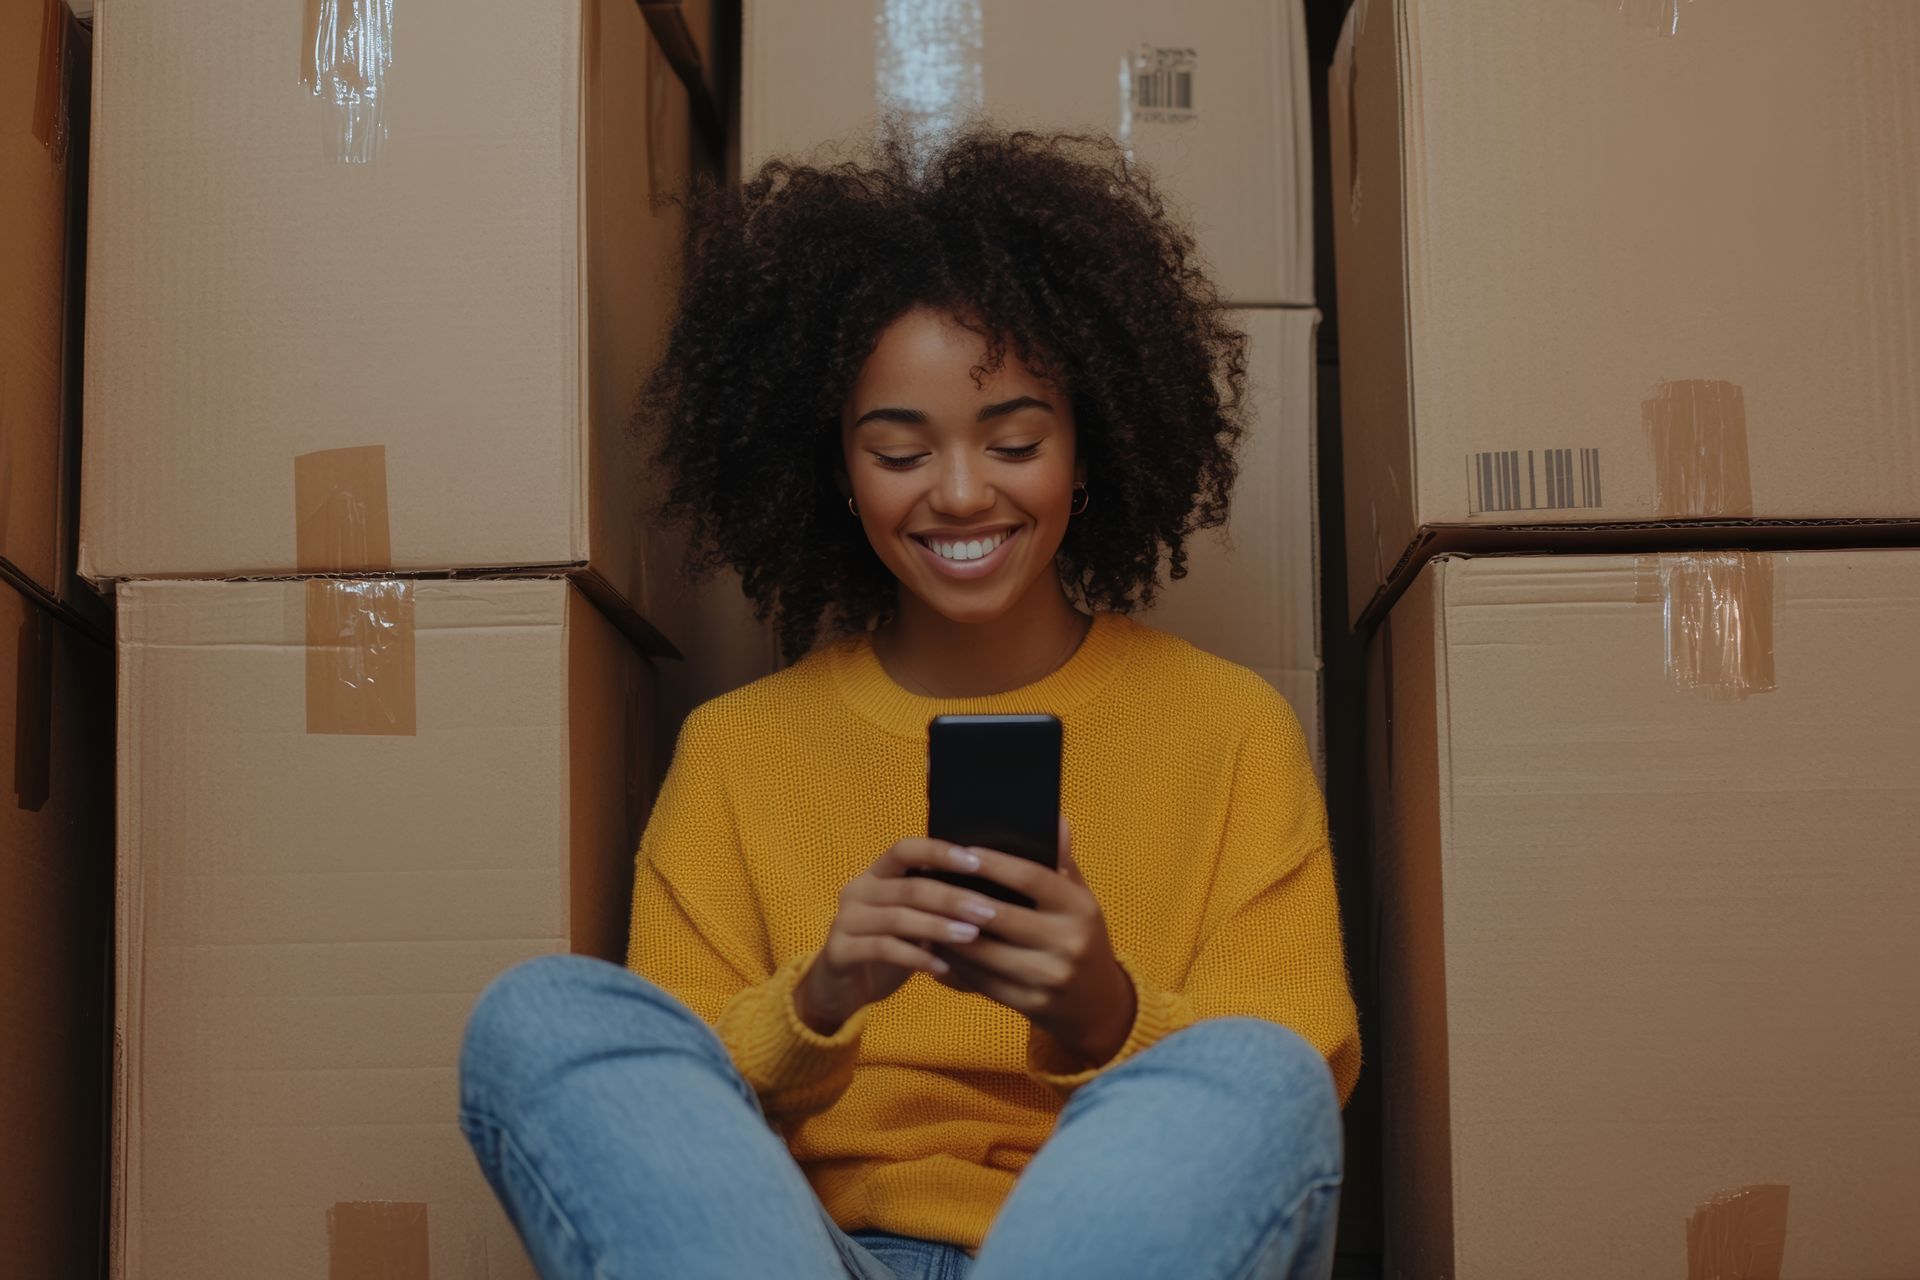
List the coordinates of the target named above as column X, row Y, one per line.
column 960, row 931
column 964, row 860
column 941, row 966
column 978, row 910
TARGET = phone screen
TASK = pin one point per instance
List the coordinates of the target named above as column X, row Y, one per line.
column 994, row 782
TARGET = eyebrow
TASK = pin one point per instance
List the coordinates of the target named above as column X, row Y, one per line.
column 916, row 417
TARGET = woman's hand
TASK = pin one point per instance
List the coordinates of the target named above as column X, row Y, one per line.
column 1053, row 962
column 884, row 928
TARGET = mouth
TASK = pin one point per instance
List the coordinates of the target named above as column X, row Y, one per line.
column 971, row 557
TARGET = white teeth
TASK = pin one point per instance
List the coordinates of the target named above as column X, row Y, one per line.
column 972, row 549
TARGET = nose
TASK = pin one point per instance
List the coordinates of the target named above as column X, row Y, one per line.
column 960, row 490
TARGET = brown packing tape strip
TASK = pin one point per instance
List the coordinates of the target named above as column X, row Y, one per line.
column 33, row 710
column 1698, row 430
column 360, row 634
column 377, row 1240
column 1718, row 605
column 340, row 503
column 1739, row 1235
column 51, row 123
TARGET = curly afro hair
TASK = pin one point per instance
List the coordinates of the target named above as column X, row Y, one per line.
column 1052, row 246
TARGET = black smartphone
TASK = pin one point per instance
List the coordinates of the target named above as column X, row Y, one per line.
column 994, row 782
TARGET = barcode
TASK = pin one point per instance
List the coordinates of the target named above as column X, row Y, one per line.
column 1164, row 90
column 1532, row 480
column 1163, row 82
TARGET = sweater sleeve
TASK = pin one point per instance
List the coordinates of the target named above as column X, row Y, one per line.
column 699, row 934
column 1270, row 944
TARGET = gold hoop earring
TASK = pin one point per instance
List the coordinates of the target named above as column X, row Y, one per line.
column 852, row 510
column 1080, row 500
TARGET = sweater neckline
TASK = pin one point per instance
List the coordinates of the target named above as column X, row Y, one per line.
column 867, row 688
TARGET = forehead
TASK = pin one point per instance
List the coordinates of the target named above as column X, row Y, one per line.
column 927, row 359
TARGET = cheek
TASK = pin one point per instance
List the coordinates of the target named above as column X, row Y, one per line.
column 886, row 501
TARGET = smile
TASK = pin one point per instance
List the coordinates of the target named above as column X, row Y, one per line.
column 966, row 557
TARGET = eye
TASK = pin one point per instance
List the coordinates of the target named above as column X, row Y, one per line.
column 1018, row 450
column 897, row 463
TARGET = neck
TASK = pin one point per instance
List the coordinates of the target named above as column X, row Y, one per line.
column 930, row 653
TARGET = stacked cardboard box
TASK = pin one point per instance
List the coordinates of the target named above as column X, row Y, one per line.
column 44, row 64
column 362, row 350
column 56, row 690
column 1638, row 278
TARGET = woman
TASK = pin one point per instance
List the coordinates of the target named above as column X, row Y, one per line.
column 946, row 416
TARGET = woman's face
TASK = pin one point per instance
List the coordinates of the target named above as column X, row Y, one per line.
column 963, row 488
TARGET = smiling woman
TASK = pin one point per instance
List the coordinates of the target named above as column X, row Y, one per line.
column 1040, row 277
column 948, row 421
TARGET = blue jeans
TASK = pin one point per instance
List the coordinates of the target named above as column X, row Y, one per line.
column 612, row 1125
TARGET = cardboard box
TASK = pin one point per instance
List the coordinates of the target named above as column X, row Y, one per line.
column 442, row 335
column 1643, row 944
column 306, row 913
column 1251, row 590
column 43, row 53
column 1212, row 95
column 1593, row 270
column 56, row 904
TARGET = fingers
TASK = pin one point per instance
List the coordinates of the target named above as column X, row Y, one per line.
column 965, row 975
column 912, row 924
column 922, row 852
column 1022, row 966
column 1000, row 919
column 1049, row 889
column 881, row 948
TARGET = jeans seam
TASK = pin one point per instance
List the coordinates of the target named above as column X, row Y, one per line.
column 1323, row 1183
column 508, row 1148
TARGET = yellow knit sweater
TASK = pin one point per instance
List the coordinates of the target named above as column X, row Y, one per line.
column 1196, row 822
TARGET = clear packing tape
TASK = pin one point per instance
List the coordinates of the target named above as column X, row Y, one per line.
column 1661, row 15
column 359, row 633
column 1718, row 610
column 346, row 52
column 1718, row 605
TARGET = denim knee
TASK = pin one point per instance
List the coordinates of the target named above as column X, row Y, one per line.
column 538, row 1015
column 1274, row 1082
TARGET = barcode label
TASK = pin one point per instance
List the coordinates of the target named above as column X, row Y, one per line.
column 1532, row 480
column 1163, row 83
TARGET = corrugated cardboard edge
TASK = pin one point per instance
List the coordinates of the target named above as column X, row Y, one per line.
column 125, row 1209
column 1739, row 1235
column 1632, row 537
column 377, row 1240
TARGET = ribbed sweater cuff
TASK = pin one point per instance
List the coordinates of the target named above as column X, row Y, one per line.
column 774, row 1049
column 1157, row 1014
